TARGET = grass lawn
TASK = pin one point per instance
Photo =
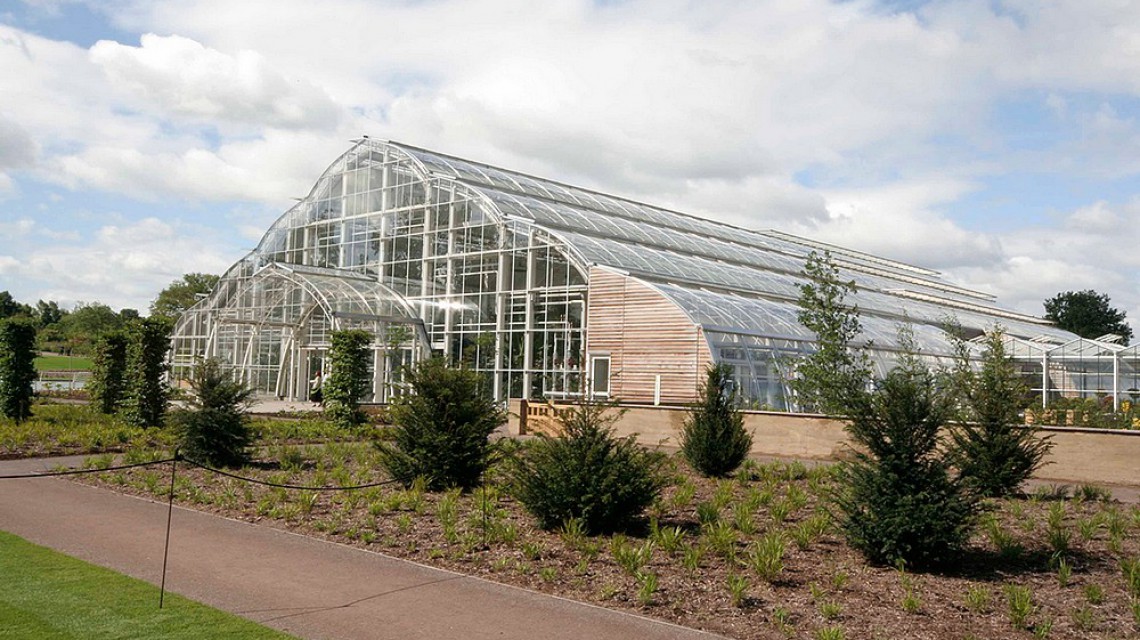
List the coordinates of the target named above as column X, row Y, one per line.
column 62, row 363
column 50, row 595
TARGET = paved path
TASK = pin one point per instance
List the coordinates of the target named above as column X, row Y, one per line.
column 304, row 586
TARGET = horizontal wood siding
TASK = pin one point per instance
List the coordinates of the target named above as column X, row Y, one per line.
column 646, row 335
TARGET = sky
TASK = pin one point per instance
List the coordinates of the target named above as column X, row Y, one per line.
column 995, row 141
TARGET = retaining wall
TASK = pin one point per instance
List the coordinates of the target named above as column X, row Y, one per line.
column 1095, row 456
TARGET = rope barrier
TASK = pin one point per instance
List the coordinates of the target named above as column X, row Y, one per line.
column 75, row 472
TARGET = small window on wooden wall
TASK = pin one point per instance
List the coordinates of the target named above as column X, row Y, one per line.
column 600, row 375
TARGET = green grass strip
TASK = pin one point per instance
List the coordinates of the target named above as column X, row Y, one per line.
column 63, row 363
column 46, row 595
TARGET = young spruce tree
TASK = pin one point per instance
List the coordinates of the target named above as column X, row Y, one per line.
column 992, row 449
column 214, row 428
column 713, row 438
column 441, row 431
column 586, row 474
column 900, row 501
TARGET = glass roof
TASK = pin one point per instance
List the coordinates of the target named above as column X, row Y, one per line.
column 722, row 275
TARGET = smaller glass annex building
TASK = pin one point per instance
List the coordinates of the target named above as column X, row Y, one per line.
column 549, row 290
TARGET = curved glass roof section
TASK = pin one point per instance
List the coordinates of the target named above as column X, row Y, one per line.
column 722, row 276
column 725, row 276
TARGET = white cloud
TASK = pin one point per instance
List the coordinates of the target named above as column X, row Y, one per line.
column 182, row 77
column 718, row 108
column 123, row 265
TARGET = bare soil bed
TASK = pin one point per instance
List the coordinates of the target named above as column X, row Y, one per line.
column 754, row 556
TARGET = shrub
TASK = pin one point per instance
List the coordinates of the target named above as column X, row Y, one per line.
column 147, row 394
column 441, row 431
column 349, row 379
column 991, row 448
column 17, row 368
column 108, row 382
column 713, row 438
column 587, row 473
column 214, row 429
column 899, row 502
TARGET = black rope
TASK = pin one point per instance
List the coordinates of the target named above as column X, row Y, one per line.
column 284, row 486
column 74, row 472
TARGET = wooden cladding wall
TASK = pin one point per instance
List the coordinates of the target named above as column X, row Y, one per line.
column 645, row 336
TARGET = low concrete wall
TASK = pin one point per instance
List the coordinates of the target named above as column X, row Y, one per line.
column 1094, row 456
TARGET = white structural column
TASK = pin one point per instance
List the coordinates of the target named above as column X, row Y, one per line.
column 1115, row 381
column 501, row 311
column 528, row 335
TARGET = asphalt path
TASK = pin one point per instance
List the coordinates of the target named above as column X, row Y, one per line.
column 304, row 586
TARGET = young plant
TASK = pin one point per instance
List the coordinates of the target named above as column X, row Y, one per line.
column 738, row 589
column 766, row 556
column 1019, row 603
column 978, row 598
column 713, row 439
column 647, row 588
column 831, row 633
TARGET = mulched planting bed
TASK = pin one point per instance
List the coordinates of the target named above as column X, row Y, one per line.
column 709, row 557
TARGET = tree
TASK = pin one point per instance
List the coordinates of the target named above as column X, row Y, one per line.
column 88, row 321
column 17, row 367
column 181, row 294
column 441, row 431
column 48, row 313
column 147, row 394
column 349, row 379
column 835, row 372
column 1087, row 314
column 713, row 438
column 9, row 308
column 992, row 450
column 586, row 474
column 109, row 378
column 899, row 501
column 214, row 429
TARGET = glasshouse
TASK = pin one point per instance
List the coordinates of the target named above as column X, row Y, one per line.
column 552, row 291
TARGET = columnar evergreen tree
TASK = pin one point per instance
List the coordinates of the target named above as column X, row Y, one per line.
column 147, row 394
column 836, row 372
column 992, row 449
column 349, row 379
column 900, row 500
column 17, row 367
column 214, row 429
column 108, row 382
column 441, row 431
column 713, row 438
